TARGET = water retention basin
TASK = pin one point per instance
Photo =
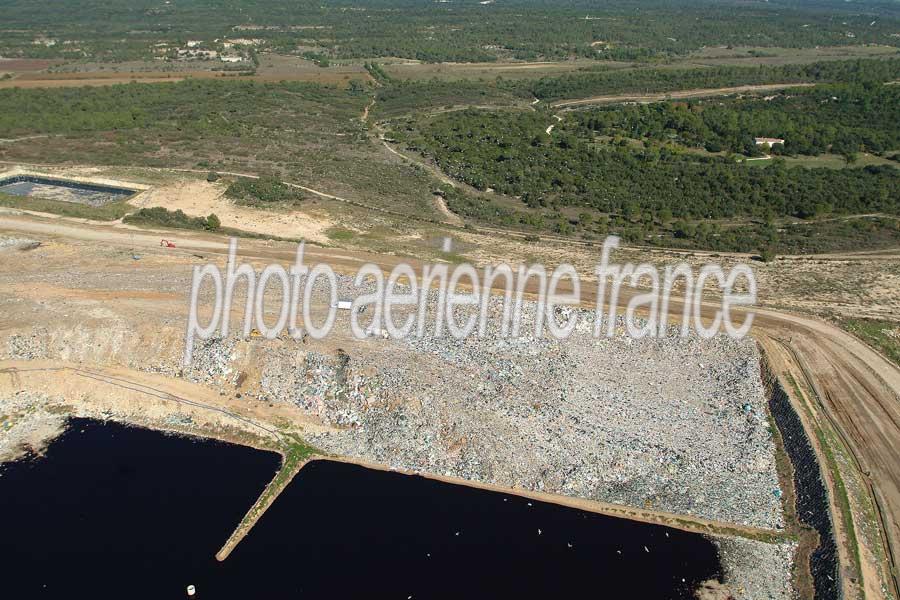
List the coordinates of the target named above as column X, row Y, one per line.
column 115, row 511
column 62, row 190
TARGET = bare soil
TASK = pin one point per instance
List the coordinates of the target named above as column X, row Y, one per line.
column 199, row 198
column 677, row 94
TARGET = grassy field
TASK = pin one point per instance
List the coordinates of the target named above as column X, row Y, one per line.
column 707, row 57
column 416, row 71
column 340, row 234
column 882, row 335
column 108, row 212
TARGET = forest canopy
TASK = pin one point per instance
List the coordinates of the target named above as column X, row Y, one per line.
column 841, row 118
column 511, row 153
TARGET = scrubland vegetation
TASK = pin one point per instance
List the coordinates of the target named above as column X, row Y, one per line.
column 297, row 132
column 265, row 192
column 609, row 82
column 457, row 31
column 190, row 108
column 162, row 217
column 662, row 174
column 403, row 97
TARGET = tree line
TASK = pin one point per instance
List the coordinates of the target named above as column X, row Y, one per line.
column 582, row 85
column 839, row 118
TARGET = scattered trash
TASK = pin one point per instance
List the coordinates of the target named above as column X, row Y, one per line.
column 29, row 246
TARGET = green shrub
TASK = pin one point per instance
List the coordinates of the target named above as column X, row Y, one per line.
column 339, row 234
column 265, row 191
column 163, row 217
column 767, row 255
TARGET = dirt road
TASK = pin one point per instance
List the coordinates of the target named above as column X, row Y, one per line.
column 889, row 254
column 677, row 94
column 859, row 391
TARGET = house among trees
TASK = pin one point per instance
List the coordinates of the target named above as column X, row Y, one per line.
column 768, row 142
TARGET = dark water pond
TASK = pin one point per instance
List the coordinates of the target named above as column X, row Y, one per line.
column 66, row 191
column 116, row 512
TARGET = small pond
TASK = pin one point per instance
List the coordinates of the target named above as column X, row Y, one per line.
column 61, row 190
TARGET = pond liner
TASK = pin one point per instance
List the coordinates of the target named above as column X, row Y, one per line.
column 77, row 185
column 812, row 501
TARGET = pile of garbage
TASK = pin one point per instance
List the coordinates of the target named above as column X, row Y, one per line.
column 677, row 424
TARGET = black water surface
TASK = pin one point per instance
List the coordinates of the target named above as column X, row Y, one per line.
column 122, row 512
column 133, row 510
column 89, row 193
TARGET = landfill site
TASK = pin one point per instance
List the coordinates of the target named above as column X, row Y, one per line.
column 670, row 429
column 777, row 447
column 677, row 425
